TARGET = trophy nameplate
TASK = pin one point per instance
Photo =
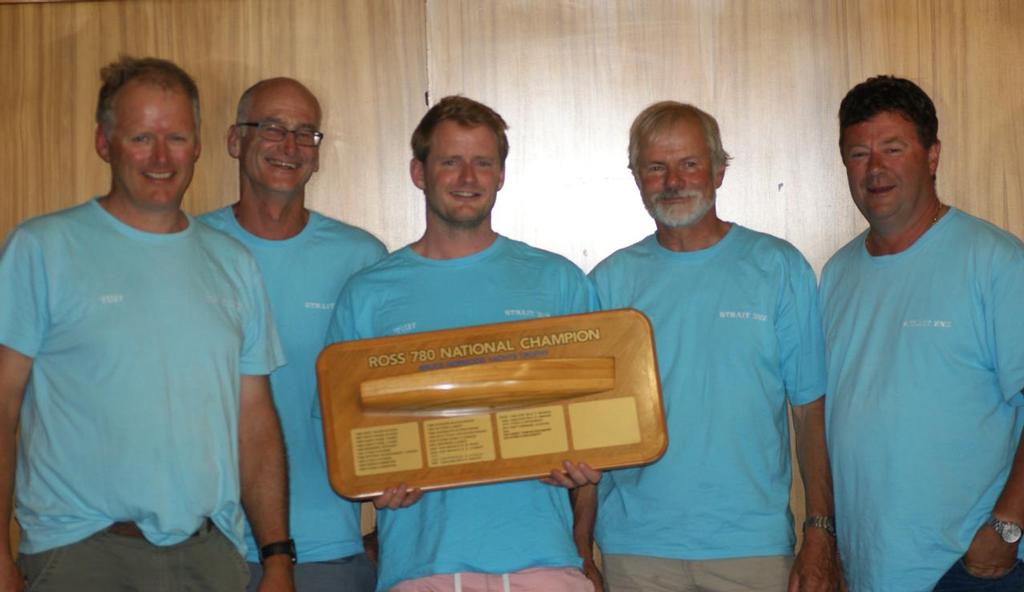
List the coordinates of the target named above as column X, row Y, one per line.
column 490, row 403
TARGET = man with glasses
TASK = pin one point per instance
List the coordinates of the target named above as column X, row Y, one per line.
column 305, row 258
column 135, row 346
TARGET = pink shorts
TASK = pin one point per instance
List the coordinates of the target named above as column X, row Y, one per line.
column 544, row 579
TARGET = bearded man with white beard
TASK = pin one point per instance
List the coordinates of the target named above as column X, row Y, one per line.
column 738, row 336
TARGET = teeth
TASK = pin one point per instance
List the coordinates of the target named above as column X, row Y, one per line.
column 463, row 193
column 281, row 163
column 159, row 176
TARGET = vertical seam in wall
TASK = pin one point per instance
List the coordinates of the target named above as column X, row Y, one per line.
column 427, row 52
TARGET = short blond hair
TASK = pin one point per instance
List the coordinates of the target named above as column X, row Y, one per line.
column 465, row 112
column 663, row 115
column 163, row 73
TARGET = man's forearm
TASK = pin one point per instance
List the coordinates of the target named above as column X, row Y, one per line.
column 815, row 568
column 584, row 511
column 8, row 443
column 15, row 369
column 1010, row 505
column 262, row 464
column 812, row 457
column 14, row 373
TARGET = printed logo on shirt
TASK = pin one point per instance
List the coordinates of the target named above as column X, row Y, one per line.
column 320, row 305
column 404, row 328
column 225, row 301
column 525, row 313
column 111, row 298
column 742, row 315
column 927, row 324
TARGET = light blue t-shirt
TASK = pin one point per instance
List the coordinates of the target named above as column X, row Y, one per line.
column 492, row 528
column 925, row 367
column 736, row 330
column 139, row 342
column 304, row 275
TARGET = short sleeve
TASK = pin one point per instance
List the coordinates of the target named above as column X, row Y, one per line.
column 1007, row 324
column 261, row 350
column 799, row 333
column 24, row 313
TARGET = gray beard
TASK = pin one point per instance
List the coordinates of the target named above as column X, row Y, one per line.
column 694, row 215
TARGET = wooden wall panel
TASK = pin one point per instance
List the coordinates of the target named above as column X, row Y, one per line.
column 570, row 76
column 364, row 59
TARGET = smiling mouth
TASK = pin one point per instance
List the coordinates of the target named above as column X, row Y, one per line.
column 282, row 164
column 465, row 194
column 158, row 176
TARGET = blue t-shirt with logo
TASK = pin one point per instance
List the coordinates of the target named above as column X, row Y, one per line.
column 498, row 528
column 139, row 341
column 925, row 368
column 304, row 275
column 737, row 333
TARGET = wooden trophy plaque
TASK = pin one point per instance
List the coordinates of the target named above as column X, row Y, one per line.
column 490, row 403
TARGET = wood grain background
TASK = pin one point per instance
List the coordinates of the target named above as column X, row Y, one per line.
column 568, row 75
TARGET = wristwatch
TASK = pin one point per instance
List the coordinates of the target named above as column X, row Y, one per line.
column 826, row 523
column 1010, row 531
column 279, row 548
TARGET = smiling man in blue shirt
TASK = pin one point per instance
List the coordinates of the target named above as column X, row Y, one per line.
column 305, row 258
column 924, row 325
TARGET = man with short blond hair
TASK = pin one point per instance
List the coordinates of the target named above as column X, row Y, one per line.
column 134, row 351
column 739, row 341
column 461, row 272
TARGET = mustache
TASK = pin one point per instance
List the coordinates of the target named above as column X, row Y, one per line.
column 676, row 194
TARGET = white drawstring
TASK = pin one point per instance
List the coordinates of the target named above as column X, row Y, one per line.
column 506, row 583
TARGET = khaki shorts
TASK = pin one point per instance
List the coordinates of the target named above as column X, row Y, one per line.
column 639, row 573
column 106, row 561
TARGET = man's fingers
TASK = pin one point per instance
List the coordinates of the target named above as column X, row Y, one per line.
column 397, row 497
column 572, row 475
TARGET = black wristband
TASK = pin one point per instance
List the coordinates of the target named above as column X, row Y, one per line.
column 279, row 548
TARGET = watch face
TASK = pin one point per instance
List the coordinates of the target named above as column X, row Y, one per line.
column 1010, row 532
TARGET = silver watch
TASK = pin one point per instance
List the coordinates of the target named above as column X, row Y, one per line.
column 1010, row 531
column 826, row 523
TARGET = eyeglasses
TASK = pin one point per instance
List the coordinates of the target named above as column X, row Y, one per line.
column 273, row 132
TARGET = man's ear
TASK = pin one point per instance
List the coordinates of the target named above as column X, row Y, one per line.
column 933, row 157
column 418, row 174
column 102, row 144
column 234, row 142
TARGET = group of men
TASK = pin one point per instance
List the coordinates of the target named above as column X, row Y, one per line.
column 160, row 369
